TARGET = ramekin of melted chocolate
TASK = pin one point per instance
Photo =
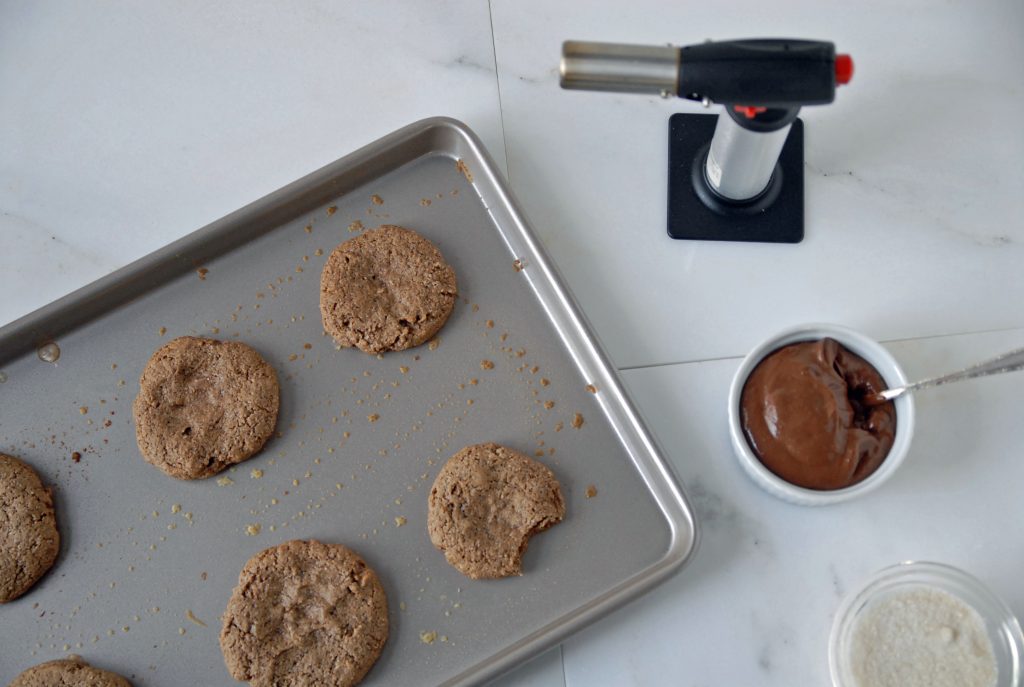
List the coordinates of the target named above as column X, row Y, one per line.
column 802, row 415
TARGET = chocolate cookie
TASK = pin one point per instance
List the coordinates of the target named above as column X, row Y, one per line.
column 386, row 290
column 486, row 503
column 69, row 672
column 204, row 405
column 304, row 614
column 29, row 540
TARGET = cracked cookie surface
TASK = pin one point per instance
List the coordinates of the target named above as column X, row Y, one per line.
column 70, row 672
column 204, row 405
column 304, row 614
column 388, row 289
column 486, row 503
column 29, row 540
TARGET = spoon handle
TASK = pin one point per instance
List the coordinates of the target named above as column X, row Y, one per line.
column 1007, row 362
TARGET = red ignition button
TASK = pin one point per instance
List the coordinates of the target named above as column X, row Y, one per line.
column 844, row 69
column 749, row 111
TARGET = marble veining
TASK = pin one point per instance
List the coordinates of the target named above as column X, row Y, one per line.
column 909, row 177
column 218, row 105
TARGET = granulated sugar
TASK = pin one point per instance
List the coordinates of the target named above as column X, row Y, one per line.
column 921, row 637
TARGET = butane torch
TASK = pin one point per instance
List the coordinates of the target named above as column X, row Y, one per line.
column 737, row 177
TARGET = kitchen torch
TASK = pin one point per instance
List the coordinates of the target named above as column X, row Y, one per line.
column 737, row 176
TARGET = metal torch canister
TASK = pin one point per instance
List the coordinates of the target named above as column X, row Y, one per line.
column 745, row 150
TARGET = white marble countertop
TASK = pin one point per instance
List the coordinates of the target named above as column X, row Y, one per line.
column 125, row 126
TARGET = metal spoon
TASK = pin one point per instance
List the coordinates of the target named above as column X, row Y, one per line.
column 1007, row 362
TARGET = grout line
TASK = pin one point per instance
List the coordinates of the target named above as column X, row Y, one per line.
column 678, row 362
column 694, row 361
column 497, row 80
column 946, row 336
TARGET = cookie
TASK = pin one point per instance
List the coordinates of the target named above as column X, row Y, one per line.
column 69, row 672
column 386, row 290
column 304, row 614
column 29, row 540
column 486, row 503
column 204, row 405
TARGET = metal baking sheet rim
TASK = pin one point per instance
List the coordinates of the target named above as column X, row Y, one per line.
column 425, row 137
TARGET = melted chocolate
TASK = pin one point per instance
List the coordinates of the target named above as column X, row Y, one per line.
column 802, row 415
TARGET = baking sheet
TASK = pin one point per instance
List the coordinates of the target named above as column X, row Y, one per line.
column 148, row 562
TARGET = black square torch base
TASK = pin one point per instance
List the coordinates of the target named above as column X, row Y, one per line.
column 690, row 218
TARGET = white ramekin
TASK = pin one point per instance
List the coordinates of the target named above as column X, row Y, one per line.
column 866, row 348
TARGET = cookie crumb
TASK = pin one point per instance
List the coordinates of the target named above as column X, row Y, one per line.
column 376, row 200
column 577, row 421
column 559, row 426
column 76, row 456
column 399, row 521
column 331, row 210
column 521, row 352
column 176, row 508
column 253, row 529
column 461, row 166
column 191, row 616
column 490, row 324
column 83, row 409
column 181, row 630
column 425, row 202
column 549, row 404
column 256, row 474
column 544, row 381
column 309, row 228
column 356, row 226
column 225, row 481
column 518, row 265
column 591, row 388
column 431, row 636
column 433, row 344
column 373, row 417
column 202, row 272
column 486, row 365
column 591, row 491
column 162, row 330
